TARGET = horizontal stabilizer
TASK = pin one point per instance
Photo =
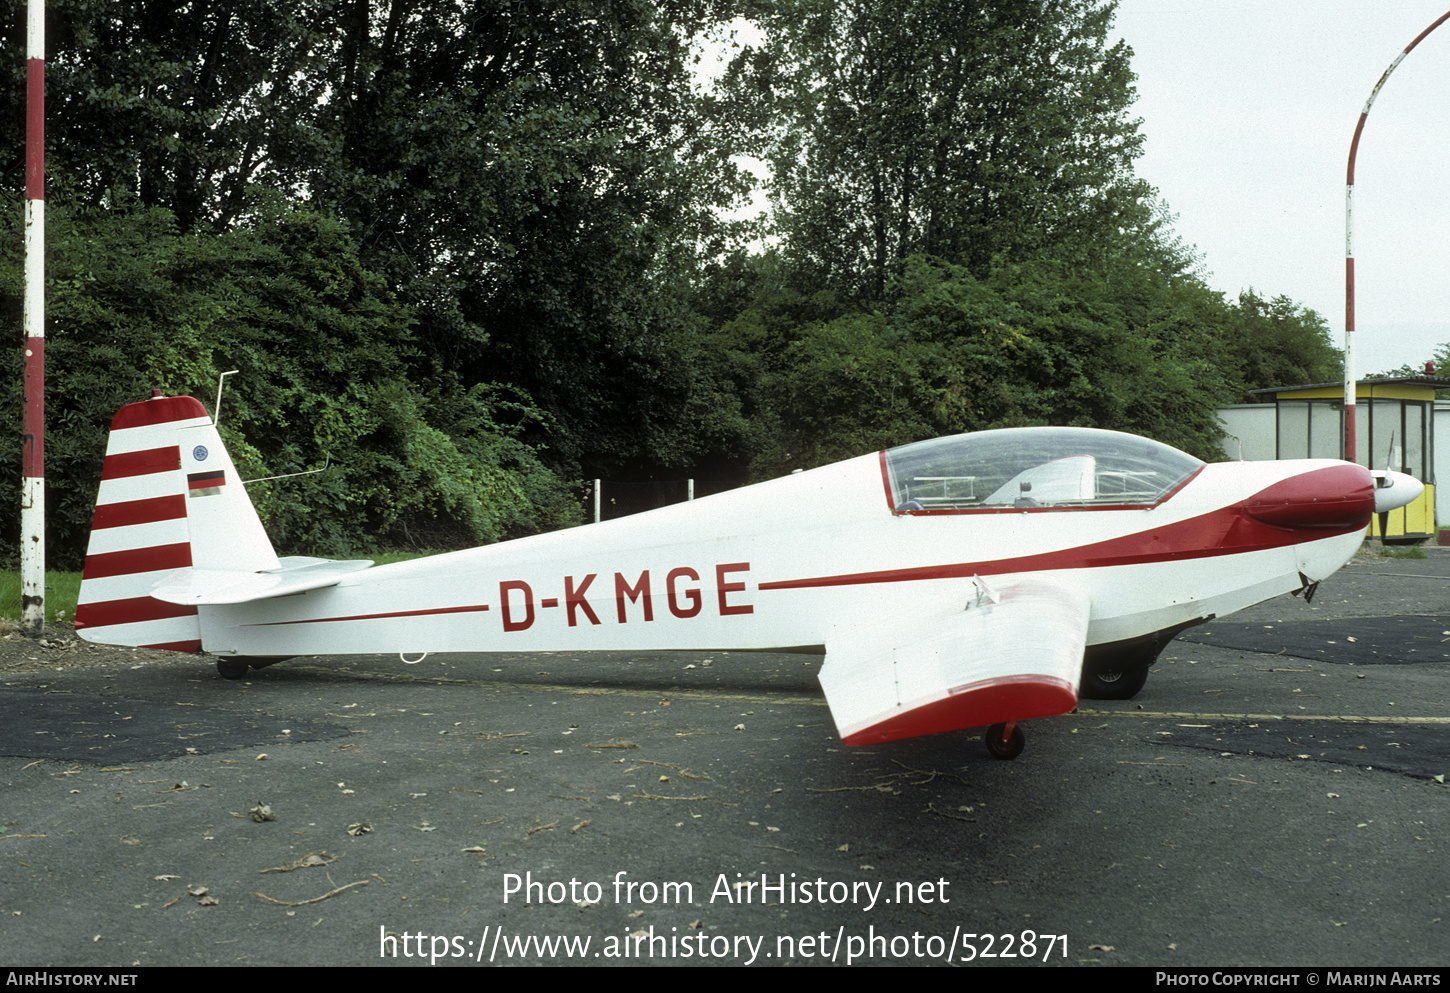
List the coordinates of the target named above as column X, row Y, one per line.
column 1011, row 654
column 195, row 587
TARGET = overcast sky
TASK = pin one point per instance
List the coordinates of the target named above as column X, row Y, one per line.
column 1248, row 110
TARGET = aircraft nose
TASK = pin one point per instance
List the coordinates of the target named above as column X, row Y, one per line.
column 1331, row 498
column 1394, row 489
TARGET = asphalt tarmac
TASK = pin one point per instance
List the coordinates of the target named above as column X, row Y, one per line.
column 1274, row 796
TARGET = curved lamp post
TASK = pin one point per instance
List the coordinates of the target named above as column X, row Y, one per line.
column 1349, row 391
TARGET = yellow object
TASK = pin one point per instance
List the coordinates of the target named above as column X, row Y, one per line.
column 1393, row 430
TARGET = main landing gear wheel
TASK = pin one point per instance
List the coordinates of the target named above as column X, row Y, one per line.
column 232, row 667
column 1113, row 684
column 1004, row 744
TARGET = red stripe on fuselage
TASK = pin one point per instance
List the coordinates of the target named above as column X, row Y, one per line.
column 373, row 617
column 1227, row 531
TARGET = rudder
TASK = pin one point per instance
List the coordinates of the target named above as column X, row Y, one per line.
column 169, row 499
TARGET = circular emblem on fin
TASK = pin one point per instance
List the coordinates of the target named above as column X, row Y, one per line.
column 199, row 453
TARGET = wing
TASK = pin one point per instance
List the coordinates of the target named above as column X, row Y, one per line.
column 1010, row 653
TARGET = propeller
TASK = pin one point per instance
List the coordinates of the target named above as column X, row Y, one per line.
column 1384, row 515
column 1391, row 490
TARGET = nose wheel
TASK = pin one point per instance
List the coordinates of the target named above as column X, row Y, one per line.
column 1004, row 741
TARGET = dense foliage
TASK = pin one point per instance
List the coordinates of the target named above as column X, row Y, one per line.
column 463, row 253
column 964, row 131
column 323, row 355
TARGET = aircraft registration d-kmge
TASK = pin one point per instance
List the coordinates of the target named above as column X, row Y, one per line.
column 982, row 579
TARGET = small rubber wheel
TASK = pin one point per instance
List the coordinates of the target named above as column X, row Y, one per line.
column 999, row 749
column 232, row 668
column 1113, row 684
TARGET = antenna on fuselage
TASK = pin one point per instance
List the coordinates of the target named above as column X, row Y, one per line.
column 221, row 380
column 216, row 419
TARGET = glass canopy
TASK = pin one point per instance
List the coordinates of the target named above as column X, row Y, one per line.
column 1025, row 468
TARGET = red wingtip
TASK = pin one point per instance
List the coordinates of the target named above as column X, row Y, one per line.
column 991, row 701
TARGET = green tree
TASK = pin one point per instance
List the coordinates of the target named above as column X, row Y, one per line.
column 1276, row 343
column 1030, row 343
column 535, row 181
column 324, row 355
column 961, row 130
column 187, row 106
column 532, row 178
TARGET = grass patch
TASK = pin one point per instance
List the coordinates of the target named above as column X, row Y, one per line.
column 1405, row 552
column 61, row 590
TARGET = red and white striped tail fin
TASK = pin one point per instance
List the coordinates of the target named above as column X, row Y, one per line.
column 170, row 499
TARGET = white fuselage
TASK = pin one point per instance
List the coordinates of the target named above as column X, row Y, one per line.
column 785, row 564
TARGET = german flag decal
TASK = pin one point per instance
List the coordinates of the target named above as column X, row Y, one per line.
column 199, row 484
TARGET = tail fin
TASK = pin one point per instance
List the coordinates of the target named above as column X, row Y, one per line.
column 169, row 499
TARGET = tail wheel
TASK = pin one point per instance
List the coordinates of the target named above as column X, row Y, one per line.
column 231, row 667
column 1004, row 741
column 1113, row 684
column 237, row 666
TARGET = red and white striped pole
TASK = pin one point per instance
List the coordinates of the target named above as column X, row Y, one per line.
column 32, row 493
column 1350, row 426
